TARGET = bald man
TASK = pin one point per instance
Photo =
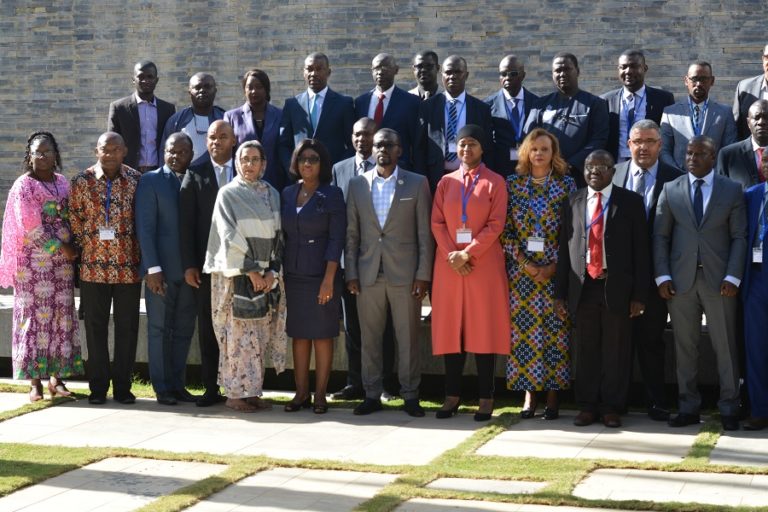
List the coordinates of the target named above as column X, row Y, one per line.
column 101, row 214
column 196, row 199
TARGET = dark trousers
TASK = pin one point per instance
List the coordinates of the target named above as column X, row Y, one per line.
column 209, row 347
column 95, row 301
column 648, row 345
column 603, row 352
column 756, row 340
column 454, row 368
column 353, row 342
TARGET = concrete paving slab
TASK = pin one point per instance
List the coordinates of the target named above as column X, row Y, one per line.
column 296, row 489
column 741, row 448
column 387, row 437
column 639, row 439
column 114, row 484
column 441, row 505
column 11, row 401
column 682, row 487
column 487, row 485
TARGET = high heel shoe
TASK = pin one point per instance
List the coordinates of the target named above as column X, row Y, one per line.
column 551, row 413
column 320, row 408
column 444, row 413
column 57, row 387
column 294, row 406
column 36, row 392
column 530, row 411
column 484, row 416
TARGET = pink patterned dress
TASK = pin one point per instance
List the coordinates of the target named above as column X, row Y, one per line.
column 45, row 327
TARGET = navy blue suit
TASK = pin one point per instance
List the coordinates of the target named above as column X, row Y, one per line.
column 401, row 115
column 170, row 318
column 505, row 137
column 754, row 295
column 241, row 120
column 334, row 128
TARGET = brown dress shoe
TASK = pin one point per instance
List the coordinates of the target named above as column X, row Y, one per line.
column 611, row 420
column 756, row 423
column 584, row 418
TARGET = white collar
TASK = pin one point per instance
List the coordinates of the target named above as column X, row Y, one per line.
column 606, row 192
column 312, row 93
column 520, row 94
column 460, row 98
column 755, row 145
column 139, row 100
column 708, row 179
column 640, row 92
column 227, row 164
column 633, row 168
column 387, row 93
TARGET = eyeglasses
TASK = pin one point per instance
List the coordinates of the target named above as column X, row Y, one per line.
column 250, row 161
column 505, row 74
column 598, row 168
column 699, row 79
column 311, row 160
column 643, row 142
column 385, row 145
column 42, row 154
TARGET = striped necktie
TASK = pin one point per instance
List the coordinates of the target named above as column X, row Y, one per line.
column 453, row 123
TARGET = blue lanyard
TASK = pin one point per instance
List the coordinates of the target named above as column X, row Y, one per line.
column 702, row 115
column 465, row 194
column 108, row 200
column 532, row 205
column 602, row 212
column 517, row 126
column 764, row 219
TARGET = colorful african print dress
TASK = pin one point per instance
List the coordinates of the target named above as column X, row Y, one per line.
column 45, row 339
column 539, row 358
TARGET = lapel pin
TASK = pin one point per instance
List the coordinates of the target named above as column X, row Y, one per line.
column 400, row 182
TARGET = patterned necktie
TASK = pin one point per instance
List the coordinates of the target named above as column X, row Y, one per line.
column 362, row 167
column 630, row 112
column 378, row 114
column 640, row 182
column 314, row 113
column 696, row 118
column 453, row 122
column 760, row 177
column 698, row 201
column 595, row 267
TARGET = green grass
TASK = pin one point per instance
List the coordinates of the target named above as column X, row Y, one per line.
column 22, row 465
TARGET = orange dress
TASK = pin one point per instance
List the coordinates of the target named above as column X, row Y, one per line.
column 477, row 305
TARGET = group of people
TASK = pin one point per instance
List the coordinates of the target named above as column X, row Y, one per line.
column 542, row 228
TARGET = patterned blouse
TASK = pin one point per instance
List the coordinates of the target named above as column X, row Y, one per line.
column 105, row 261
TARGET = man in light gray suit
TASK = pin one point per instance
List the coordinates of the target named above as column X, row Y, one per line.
column 699, row 246
column 696, row 115
column 748, row 91
column 388, row 262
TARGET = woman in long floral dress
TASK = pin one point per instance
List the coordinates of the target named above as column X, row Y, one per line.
column 37, row 261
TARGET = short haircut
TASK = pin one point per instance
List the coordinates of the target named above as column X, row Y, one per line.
column 569, row 56
column 428, row 54
column 646, row 124
column 261, row 76
column 319, row 55
column 143, row 64
column 182, row 136
column 601, row 153
column 633, row 52
column 326, row 173
column 701, row 63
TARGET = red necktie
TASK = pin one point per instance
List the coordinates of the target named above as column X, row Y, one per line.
column 378, row 114
column 595, row 267
column 759, row 152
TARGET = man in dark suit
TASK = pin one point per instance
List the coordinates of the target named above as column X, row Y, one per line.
column 646, row 175
column 390, row 106
column 699, row 248
column 426, row 66
column 740, row 160
column 440, row 119
column 317, row 113
column 171, row 307
column 632, row 102
column 748, row 91
column 577, row 118
column 509, row 108
column 197, row 197
column 602, row 274
column 140, row 119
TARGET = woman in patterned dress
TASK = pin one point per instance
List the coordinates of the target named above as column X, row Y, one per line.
column 539, row 359
column 37, row 260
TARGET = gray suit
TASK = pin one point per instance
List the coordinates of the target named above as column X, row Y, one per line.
column 343, row 172
column 386, row 260
column 748, row 91
column 677, row 130
column 698, row 258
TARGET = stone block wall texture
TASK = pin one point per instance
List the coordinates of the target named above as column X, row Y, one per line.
column 63, row 61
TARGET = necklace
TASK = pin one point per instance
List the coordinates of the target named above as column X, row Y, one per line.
column 541, row 180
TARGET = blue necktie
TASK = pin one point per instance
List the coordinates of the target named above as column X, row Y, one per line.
column 698, row 201
column 514, row 117
column 453, row 122
column 314, row 114
column 696, row 116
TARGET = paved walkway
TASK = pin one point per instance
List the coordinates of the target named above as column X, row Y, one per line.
column 384, row 438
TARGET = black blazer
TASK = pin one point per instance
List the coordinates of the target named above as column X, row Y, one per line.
column 402, row 115
column 429, row 155
column 737, row 161
column 124, row 119
column 655, row 101
column 503, row 134
column 627, row 251
column 197, row 197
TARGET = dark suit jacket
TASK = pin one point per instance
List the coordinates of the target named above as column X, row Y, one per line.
column 747, row 92
column 242, row 123
column 124, row 119
column 737, row 161
column 334, row 128
column 655, row 101
column 315, row 235
column 402, row 115
column 157, row 223
column 626, row 251
column 503, row 134
column 429, row 153
column 753, row 197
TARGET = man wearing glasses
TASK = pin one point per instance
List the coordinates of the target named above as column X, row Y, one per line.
column 696, row 115
column 425, row 70
column 509, row 108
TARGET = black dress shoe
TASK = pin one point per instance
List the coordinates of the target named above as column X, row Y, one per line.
column 730, row 422
column 657, row 413
column 182, row 395
column 349, row 393
column 367, row 406
column 551, row 413
column 528, row 412
column 125, row 398
column 209, row 399
column 97, row 399
column 684, row 419
column 413, row 408
column 166, row 399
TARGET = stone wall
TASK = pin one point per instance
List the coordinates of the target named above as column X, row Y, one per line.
column 64, row 61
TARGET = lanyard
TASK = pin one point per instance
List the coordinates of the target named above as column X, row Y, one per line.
column 762, row 218
column 108, row 201
column 602, row 212
column 532, row 205
column 518, row 126
column 465, row 197
column 702, row 115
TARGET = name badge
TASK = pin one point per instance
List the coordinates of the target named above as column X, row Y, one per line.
column 535, row 244
column 513, row 154
column 106, row 233
column 463, row 236
column 757, row 255
column 451, row 147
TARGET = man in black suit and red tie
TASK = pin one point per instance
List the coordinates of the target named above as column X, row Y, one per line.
column 740, row 161
column 748, row 91
column 140, row 119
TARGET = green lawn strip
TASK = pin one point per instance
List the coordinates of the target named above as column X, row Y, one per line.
column 704, row 443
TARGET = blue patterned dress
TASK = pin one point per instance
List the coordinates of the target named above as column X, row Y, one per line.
column 539, row 357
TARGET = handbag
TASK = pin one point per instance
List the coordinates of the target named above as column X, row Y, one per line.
column 248, row 304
